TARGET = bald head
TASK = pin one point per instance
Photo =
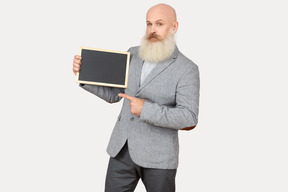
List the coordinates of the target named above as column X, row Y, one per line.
column 164, row 11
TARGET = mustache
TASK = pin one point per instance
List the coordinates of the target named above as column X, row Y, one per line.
column 153, row 35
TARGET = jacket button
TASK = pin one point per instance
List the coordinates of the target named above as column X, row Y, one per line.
column 132, row 118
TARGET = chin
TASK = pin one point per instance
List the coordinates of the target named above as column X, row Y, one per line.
column 156, row 51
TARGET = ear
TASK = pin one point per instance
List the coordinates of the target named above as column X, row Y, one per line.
column 175, row 26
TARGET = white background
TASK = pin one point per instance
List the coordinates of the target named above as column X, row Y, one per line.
column 54, row 135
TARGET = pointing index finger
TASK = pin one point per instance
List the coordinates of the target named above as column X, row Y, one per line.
column 126, row 96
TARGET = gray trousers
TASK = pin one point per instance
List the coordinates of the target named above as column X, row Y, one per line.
column 123, row 175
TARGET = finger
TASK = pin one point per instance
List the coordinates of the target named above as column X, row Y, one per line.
column 126, row 96
column 76, row 69
column 76, row 65
column 78, row 61
column 77, row 57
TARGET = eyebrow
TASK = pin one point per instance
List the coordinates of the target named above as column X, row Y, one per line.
column 155, row 21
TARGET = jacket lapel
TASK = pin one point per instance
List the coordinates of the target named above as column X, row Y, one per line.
column 138, row 70
column 158, row 69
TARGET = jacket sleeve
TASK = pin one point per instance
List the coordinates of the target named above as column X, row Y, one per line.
column 185, row 112
column 109, row 94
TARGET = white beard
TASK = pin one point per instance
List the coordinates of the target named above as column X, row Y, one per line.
column 155, row 52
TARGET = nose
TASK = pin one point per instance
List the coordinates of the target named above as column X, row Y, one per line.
column 153, row 29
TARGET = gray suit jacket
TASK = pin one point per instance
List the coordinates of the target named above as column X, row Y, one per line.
column 171, row 92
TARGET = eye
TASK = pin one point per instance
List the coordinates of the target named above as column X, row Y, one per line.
column 149, row 24
column 159, row 24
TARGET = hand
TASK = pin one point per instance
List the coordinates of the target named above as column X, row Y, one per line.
column 188, row 128
column 135, row 103
column 76, row 63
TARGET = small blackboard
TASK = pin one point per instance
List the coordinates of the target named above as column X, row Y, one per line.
column 104, row 67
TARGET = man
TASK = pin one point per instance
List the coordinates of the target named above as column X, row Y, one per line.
column 162, row 97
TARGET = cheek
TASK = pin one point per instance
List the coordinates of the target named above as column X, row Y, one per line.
column 165, row 32
column 148, row 31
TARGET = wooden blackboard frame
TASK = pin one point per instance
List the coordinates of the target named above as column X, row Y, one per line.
column 107, row 53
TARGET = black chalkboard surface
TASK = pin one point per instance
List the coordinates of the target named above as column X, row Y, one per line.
column 104, row 67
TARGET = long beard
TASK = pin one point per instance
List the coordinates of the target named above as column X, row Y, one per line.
column 159, row 51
